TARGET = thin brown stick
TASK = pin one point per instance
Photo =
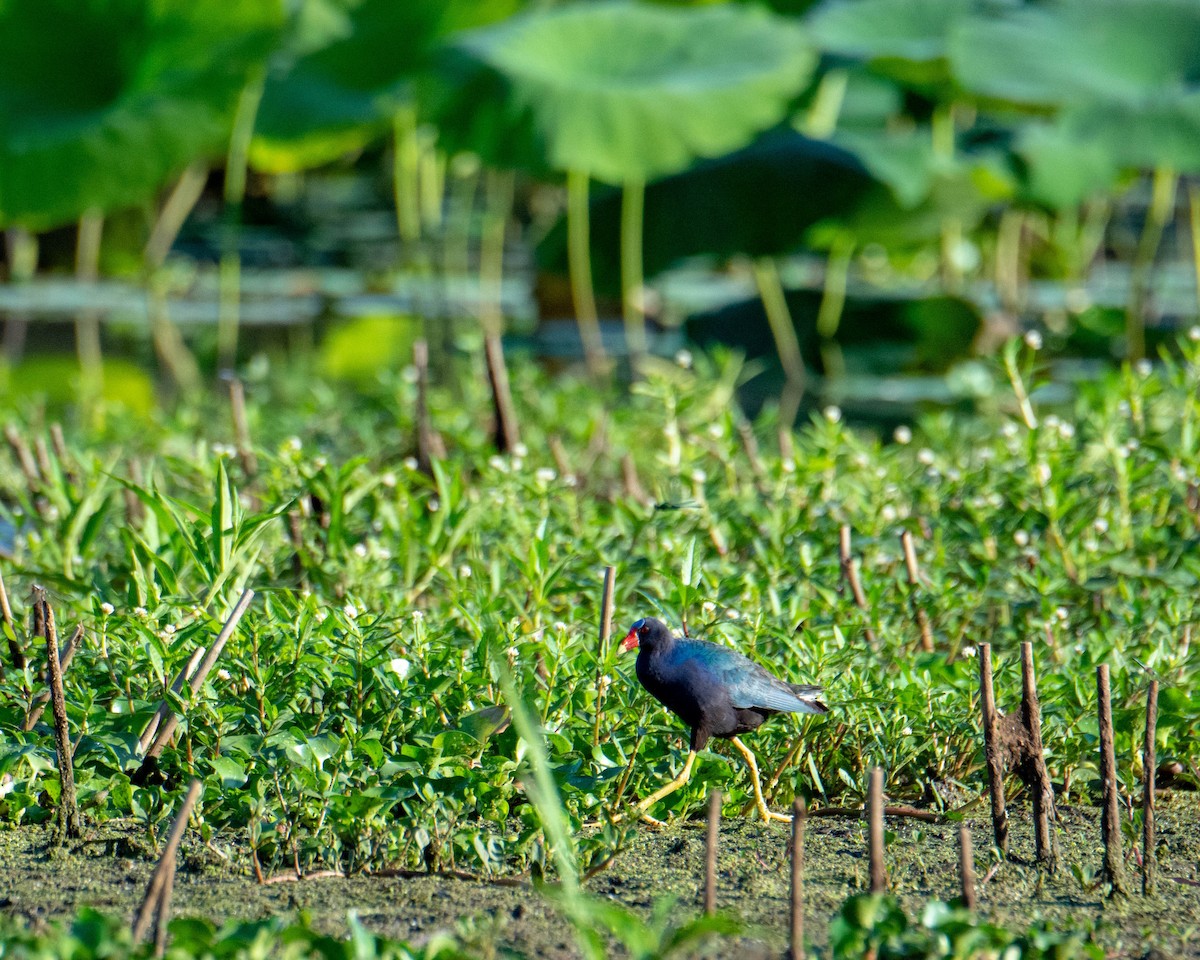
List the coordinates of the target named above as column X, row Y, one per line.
column 991, row 739
column 66, row 655
column 606, row 617
column 164, row 708
column 15, row 652
column 559, row 453
column 629, row 476
column 914, row 581
column 67, row 823
column 1046, row 843
column 710, row 852
column 59, row 443
column 858, row 813
column 152, row 903
column 429, row 443
column 508, row 432
column 24, row 457
column 796, row 937
column 850, row 574
column 875, row 831
column 42, row 452
column 966, row 866
column 787, row 448
column 163, row 916
column 171, row 720
column 241, row 427
column 1149, row 763
column 1113, row 870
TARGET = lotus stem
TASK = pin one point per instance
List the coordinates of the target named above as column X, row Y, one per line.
column 236, row 170
column 633, row 205
column 779, row 317
column 822, row 117
column 580, row 264
column 499, row 198
column 406, row 163
column 1162, row 203
column 833, row 303
column 431, row 177
column 87, row 323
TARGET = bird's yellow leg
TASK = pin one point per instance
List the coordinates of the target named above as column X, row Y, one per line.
column 684, row 776
column 767, row 814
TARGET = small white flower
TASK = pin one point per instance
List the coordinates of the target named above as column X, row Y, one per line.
column 141, row 612
column 925, row 456
column 907, row 731
column 360, row 550
column 1021, row 538
column 1008, row 430
column 400, row 667
column 684, row 359
column 708, row 607
column 560, row 627
column 833, row 414
column 411, row 463
column 888, row 513
column 434, row 504
column 546, row 474
column 933, row 473
column 1091, row 545
column 1124, row 409
column 418, row 615
column 107, row 609
column 902, row 434
column 1131, row 445
column 1051, row 422
column 409, row 374
column 1100, row 525
column 716, row 430
column 224, row 674
column 1033, row 340
column 570, row 480
column 320, row 463
column 497, row 462
column 1062, row 613
column 985, row 454
column 388, row 480
column 1066, row 430
column 1042, row 470
column 953, row 475
column 732, row 614
column 465, row 571
column 351, row 611
column 1194, row 334
column 699, row 476
column 520, row 450
column 295, row 444
column 969, row 652
column 321, row 615
column 1143, row 367
column 169, row 630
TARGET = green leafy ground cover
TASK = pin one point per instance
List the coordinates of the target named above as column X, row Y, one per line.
column 352, row 723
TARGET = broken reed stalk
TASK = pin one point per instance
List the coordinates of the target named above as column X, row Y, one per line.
column 67, row 815
column 850, row 574
column 559, row 453
column 966, row 866
column 1149, row 765
column 23, row 456
column 710, row 852
column 135, row 511
column 508, row 432
column 241, row 427
column 42, row 452
column 15, row 653
column 633, row 484
column 164, row 708
column 65, row 656
column 156, row 904
column 991, row 740
column 914, row 580
column 606, row 615
column 1043, row 790
column 875, row 831
column 171, row 720
column 59, row 442
column 1113, row 870
column 796, row 937
column 429, row 444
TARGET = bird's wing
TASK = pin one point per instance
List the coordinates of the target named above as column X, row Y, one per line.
column 750, row 686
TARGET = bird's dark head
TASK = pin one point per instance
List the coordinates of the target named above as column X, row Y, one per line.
column 645, row 633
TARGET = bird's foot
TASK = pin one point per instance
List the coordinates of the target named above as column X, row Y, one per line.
column 768, row 815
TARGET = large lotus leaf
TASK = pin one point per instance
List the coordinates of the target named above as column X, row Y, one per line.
column 759, row 201
column 1162, row 132
column 338, row 97
column 619, row 90
column 1060, row 169
column 1080, row 51
column 905, row 39
column 101, row 101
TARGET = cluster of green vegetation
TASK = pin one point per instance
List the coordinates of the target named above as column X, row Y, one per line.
column 358, row 717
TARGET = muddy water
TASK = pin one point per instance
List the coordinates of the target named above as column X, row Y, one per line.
column 109, row 869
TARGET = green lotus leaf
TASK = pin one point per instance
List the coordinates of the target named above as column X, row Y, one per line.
column 102, row 101
column 904, row 39
column 1059, row 168
column 619, row 90
column 337, row 97
column 1080, row 51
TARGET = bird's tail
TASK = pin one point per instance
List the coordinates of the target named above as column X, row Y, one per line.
column 810, row 695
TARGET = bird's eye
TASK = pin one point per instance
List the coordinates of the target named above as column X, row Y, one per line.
column 643, row 630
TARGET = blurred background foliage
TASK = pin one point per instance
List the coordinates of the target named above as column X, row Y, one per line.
column 854, row 193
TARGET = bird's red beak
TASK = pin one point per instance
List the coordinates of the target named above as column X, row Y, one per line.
column 630, row 642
